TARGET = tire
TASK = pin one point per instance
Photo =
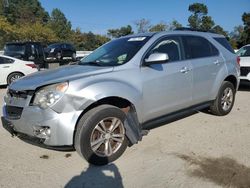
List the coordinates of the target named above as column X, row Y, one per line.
column 14, row 76
column 107, row 149
column 224, row 101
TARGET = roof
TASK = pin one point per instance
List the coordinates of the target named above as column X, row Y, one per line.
column 180, row 31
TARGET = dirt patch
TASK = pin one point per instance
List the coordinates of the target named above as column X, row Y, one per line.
column 222, row 171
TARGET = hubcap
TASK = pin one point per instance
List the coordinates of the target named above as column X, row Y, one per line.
column 107, row 137
column 227, row 99
column 15, row 77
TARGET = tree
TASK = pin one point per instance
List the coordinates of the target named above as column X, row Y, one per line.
column 60, row 25
column 174, row 25
column 92, row 41
column 158, row 27
column 142, row 25
column 218, row 29
column 7, row 31
column 235, row 36
column 25, row 32
column 87, row 41
column 36, row 32
column 123, row 31
column 23, row 11
column 199, row 18
column 245, row 35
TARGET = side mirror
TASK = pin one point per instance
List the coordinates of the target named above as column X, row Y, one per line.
column 157, row 58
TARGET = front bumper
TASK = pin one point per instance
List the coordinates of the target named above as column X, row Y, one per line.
column 21, row 118
column 33, row 140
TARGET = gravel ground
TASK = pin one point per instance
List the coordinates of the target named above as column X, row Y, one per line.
column 199, row 151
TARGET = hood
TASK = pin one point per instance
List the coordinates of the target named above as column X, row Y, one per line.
column 61, row 74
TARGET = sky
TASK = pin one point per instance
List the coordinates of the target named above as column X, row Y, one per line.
column 98, row 16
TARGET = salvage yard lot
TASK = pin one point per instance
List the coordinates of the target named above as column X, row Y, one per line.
column 198, row 151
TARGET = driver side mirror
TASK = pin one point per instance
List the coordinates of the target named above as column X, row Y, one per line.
column 156, row 58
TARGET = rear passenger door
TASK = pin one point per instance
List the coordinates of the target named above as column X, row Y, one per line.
column 206, row 62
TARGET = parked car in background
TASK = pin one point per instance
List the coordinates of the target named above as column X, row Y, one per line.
column 27, row 51
column 59, row 51
column 82, row 54
column 244, row 54
column 113, row 96
column 12, row 69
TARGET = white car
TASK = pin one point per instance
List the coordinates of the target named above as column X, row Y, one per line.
column 244, row 54
column 12, row 69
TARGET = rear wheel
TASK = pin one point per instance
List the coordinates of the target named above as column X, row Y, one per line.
column 14, row 76
column 224, row 102
column 100, row 136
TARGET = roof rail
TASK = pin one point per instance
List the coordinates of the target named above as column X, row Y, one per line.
column 193, row 29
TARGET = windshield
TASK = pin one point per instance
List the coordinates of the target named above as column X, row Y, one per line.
column 14, row 49
column 54, row 46
column 244, row 51
column 116, row 52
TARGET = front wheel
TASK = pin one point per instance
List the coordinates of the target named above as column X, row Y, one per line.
column 100, row 136
column 224, row 102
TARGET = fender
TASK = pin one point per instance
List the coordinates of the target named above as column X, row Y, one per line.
column 81, row 100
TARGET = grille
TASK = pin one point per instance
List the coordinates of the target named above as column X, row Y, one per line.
column 19, row 94
column 244, row 71
column 14, row 112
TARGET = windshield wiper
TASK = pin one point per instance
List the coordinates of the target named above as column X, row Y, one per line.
column 93, row 63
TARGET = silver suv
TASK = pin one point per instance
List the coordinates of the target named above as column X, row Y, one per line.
column 127, row 86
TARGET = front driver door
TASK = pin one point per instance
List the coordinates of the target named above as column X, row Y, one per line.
column 167, row 87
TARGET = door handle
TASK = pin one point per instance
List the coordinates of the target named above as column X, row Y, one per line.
column 216, row 62
column 185, row 70
column 6, row 66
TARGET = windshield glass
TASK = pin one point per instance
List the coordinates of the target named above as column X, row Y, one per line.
column 54, row 46
column 244, row 51
column 116, row 52
column 14, row 48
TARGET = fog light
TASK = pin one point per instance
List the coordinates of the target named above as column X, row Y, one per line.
column 42, row 132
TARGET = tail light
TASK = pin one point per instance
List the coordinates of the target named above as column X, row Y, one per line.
column 238, row 60
column 33, row 66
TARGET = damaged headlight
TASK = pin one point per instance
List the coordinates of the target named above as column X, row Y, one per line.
column 49, row 95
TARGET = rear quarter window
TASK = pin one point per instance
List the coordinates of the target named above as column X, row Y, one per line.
column 223, row 41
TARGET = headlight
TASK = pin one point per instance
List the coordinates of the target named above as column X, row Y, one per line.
column 49, row 95
column 52, row 50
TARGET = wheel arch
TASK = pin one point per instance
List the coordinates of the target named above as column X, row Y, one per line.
column 119, row 102
column 233, row 80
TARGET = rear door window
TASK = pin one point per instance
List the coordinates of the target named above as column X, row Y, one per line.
column 198, row 47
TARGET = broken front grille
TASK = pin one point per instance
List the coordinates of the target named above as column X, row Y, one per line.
column 14, row 112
